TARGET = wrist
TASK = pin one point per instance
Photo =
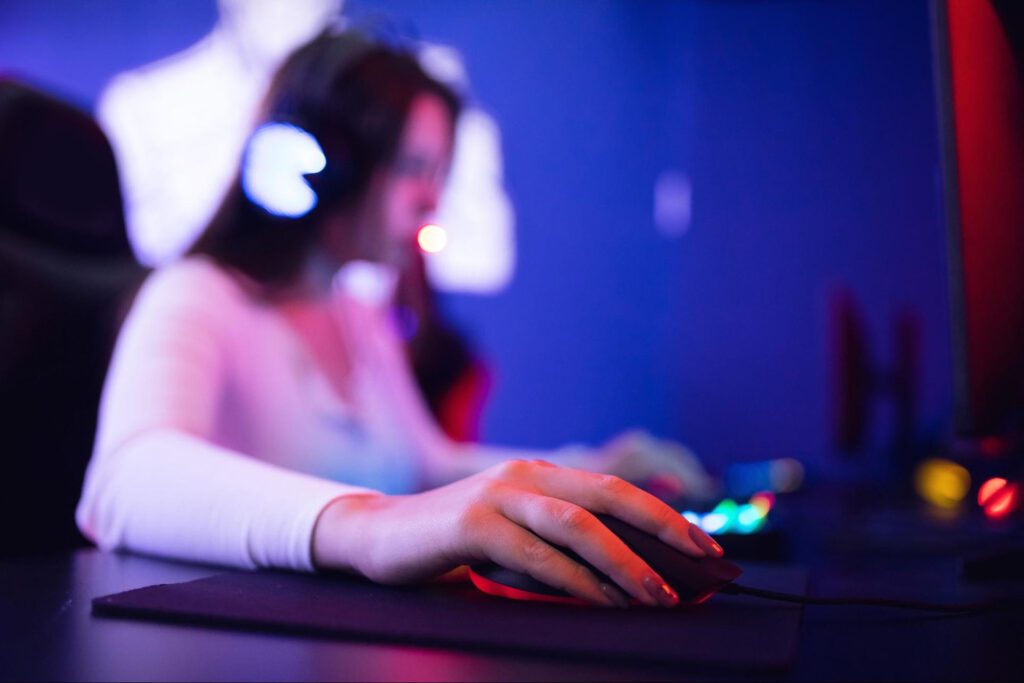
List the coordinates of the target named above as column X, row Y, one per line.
column 342, row 531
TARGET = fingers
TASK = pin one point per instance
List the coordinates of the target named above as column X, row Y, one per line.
column 571, row 526
column 516, row 548
column 602, row 493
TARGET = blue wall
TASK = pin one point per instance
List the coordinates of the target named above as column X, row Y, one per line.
column 807, row 128
column 818, row 167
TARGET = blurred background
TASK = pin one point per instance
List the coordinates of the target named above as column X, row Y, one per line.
column 705, row 191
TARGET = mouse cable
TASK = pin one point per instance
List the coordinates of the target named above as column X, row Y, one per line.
column 947, row 608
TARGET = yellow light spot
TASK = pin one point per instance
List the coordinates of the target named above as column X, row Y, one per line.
column 941, row 482
column 432, row 238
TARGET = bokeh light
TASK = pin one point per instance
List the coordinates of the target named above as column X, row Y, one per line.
column 987, row 490
column 998, row 497
column 941, row 482
column 714, row 522
column 432, row 238
column 730, row 517
column 763, row 501
column 729, row 509
column 749, row 519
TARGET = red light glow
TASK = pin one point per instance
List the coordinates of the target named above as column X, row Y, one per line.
column 1005, row 502
column 998, row 497
column 989, row 489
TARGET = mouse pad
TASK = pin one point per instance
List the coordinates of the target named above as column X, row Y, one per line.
column 726, row 630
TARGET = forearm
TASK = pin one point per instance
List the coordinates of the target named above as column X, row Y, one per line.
column 168, row 493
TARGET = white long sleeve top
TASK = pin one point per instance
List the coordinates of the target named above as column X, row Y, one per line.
column 221, row 437
column 224, row 430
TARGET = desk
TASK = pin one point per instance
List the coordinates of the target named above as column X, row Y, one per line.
column 48, row 632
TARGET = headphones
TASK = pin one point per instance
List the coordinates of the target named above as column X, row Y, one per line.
column 278, row 165
column 286, row 170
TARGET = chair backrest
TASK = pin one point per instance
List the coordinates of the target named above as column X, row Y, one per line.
column 66, row 272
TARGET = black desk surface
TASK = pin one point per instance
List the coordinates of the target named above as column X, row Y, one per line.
column 48, row 632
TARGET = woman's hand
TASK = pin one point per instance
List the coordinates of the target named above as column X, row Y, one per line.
column 663, row 467
column 511, row 514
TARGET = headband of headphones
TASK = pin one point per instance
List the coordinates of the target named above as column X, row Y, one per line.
column 286, row 170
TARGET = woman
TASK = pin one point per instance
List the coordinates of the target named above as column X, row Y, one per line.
column 247, row 384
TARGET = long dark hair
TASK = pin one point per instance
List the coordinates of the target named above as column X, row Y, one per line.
column 353, row 94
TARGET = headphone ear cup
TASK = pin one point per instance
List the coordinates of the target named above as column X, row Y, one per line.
column 278, row 163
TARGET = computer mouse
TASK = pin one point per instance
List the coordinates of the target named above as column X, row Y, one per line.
column 694, row 579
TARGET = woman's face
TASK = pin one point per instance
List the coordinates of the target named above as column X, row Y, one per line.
column 403, row 195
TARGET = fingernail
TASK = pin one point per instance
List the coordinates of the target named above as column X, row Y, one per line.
column 661, row 591
column 706, row 543
column 614, row 596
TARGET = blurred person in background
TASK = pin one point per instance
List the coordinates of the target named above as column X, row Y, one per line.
column 178, row 127
column 259, row 410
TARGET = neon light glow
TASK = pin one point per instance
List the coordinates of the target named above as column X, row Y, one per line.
column 941, row 482
column 432, row 238
column 713, row 522
column 730, row 517
column 1003, row 503
column 989, row 489
column 998, row 497
column 729, row 510
column 763, row 501
column 749, row 519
